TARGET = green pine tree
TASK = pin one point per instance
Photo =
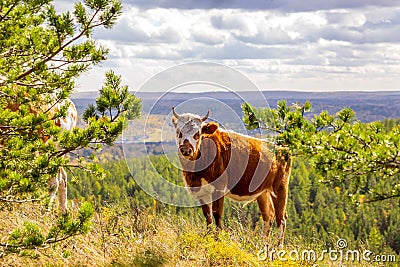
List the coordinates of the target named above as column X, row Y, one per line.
column 42, row 53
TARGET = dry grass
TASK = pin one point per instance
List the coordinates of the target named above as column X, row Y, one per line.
column 126, row 236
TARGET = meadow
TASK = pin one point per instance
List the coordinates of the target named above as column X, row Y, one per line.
column 124, row 235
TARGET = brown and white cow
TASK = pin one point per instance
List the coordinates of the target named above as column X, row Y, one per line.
column 218, row 163
column 58, row 183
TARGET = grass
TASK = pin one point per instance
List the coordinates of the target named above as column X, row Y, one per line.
column 123, row 235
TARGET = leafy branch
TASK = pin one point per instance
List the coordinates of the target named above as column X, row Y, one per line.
column 341, row 148
column 30, row 235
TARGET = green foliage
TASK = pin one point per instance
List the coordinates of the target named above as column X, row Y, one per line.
column 114, row 106
column 67, row 227
column 251, row 120
column 31, row 236
column 42, row 52
column 119, row 182
column 344, row 150
column 317, row 211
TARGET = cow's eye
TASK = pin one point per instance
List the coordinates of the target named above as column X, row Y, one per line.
column 196, row 136
column 180, row 134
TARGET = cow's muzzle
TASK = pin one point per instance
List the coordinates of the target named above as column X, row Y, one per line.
column 186, row 151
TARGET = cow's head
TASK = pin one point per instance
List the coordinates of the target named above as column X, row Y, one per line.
column 188, row 132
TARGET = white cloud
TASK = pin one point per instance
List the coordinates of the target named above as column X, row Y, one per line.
column 282, row 5
column 209, row 38
column 280, row 44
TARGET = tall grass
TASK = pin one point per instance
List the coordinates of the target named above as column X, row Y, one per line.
column 124, row 235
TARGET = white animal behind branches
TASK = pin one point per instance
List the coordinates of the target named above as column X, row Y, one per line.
column 59, row 182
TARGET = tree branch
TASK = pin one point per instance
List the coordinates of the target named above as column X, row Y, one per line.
column 52, row 55
column 9, row 10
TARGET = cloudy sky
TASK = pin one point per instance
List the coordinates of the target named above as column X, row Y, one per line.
column 309, row 45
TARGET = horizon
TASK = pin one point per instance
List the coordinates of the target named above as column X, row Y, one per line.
column 254, row 91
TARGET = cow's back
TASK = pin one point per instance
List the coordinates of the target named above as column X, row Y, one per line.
column 241, row 163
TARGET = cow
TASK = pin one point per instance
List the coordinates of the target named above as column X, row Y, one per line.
column 217, row 163
column 59, row 182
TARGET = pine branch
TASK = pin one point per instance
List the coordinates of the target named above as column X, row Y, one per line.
column 62, row 47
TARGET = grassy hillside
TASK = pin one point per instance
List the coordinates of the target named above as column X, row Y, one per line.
column 124, row 235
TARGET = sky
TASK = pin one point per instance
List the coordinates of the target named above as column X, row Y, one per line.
column 310, row 45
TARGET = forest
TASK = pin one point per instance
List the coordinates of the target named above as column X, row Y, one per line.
column 344, row 184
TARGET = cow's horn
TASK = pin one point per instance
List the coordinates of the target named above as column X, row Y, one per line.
column 206, row 116
column 174, row 112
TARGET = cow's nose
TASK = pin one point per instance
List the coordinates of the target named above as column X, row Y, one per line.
column 186, row 151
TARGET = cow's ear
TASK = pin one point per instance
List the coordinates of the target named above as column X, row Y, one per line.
column 209, row 128
column 174, row 120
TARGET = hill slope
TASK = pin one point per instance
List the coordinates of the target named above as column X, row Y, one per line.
column 124, row 235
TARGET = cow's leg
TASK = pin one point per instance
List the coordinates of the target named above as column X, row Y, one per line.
column 267, row 212
column 62, row 189
column 280, row 202
column 206, row 208
column 53, row 188
column 218, row 210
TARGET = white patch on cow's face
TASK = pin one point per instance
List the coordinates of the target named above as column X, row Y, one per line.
column 188, row 131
